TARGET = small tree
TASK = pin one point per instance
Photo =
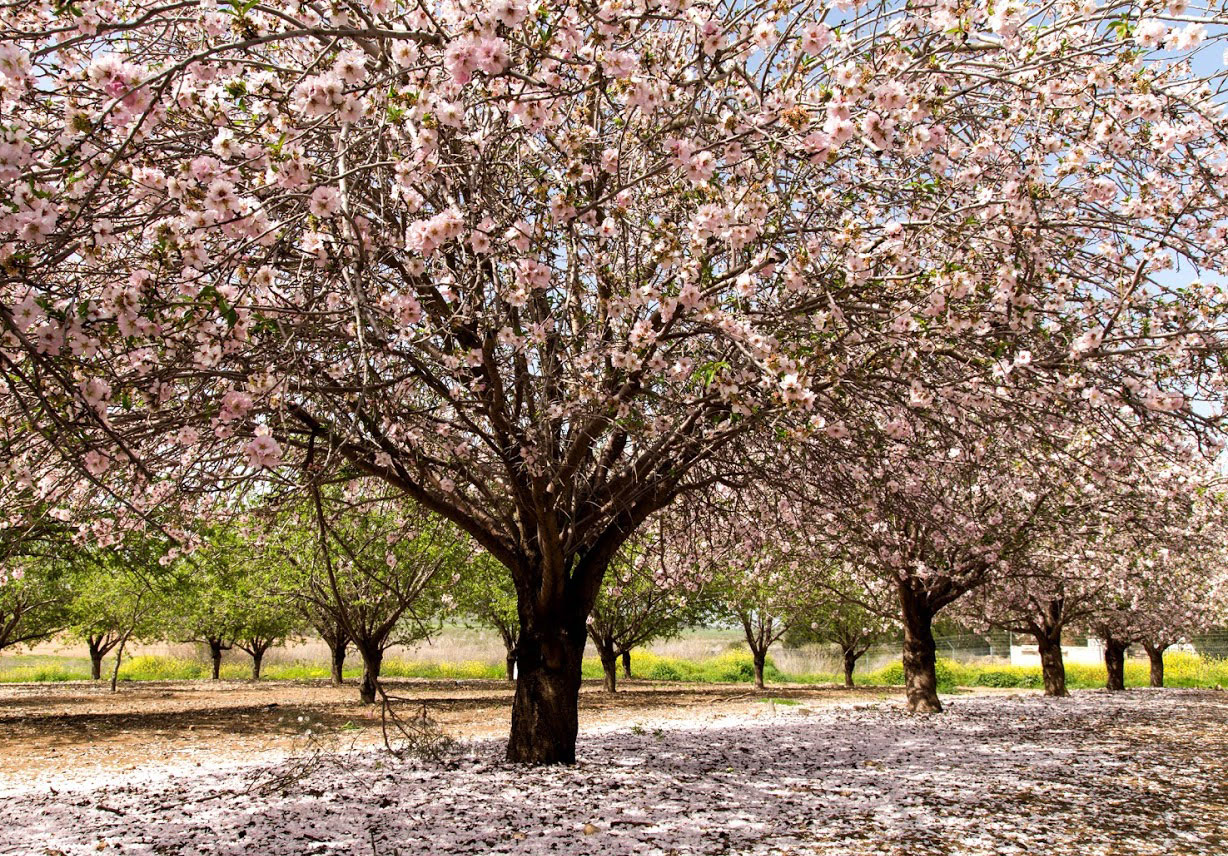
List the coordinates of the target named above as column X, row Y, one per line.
column 653, row 590
column 367, row 558
column 112, row 601
column 846, row 615
column 32, row 601
column 485, row 594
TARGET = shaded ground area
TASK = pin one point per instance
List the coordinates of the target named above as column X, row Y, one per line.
column 1144, row 772
column 52, row 731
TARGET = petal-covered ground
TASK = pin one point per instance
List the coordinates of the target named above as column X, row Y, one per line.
column 1143, row 772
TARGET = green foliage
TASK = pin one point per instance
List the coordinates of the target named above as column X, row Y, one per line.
column 733, row 667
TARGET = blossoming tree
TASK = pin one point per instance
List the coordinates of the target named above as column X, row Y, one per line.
column 537, row 266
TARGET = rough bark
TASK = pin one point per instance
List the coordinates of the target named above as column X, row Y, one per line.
column 850, row 663
column 545, row 710
column 372, row 661
column 760, row 658
column 215, row 655
column 1052, row 667
column 609, row 667
column 920, row 655
column 627, row 665
column 1115, row 664
column 336, row 655
column 257, row 662
column 95, row 666
column 1155, row 653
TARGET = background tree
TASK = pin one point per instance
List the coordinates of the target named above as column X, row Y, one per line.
column 847, row 615
column 654, row 589
column 485, row 594
column 33, row 598
column 368, row 558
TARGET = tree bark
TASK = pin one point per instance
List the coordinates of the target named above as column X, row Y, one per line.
column 96, row 655
column 760, row 658
column 257, row 660
column 336, row 656
column 1115, row 664
column 1155, row 653
column 627, row 665
column 215, row 654
column 1052, row 667
column 545, row 710
column 850, row 663
column 372, row 661
column 609, row 666
column 920, row 656
column 510, row 664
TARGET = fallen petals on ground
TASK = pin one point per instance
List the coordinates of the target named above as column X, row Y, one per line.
column 1142, row 772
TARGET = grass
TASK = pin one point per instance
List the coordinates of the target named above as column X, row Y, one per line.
column 1181, row 670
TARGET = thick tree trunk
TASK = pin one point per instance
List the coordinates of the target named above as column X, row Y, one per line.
column 1115, row 664
column 545, row 711
column 1155, row 653
column 509, row 664
column 609, row 667
column 372, row 661
column 257, row 661
column 850, row 663
column 627, row 665
column 760, row 658
column 1052, row 667
column 336, row 656
column 920, row 656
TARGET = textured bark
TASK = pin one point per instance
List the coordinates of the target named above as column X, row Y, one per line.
column 1115, row 664
column 609, row 667
column 510, row 664
column 257, row 663
column 372, row 662
column 1155, row 653
column 336, row 654
column 850, row 663
column 545, row 709
column 1052, row 667
column 920, row 655
column 760, row 658
column 95, row 666
column 627, row 665
column 215, row 654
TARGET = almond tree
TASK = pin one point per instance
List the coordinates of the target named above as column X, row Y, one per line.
column 537, row 269
column 654, row 589
column 369, row 560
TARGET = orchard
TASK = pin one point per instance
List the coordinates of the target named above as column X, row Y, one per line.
column 599, row 327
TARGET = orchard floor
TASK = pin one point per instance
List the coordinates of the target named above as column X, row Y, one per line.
column 196, row 768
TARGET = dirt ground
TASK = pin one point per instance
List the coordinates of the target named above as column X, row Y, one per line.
column 51, row 732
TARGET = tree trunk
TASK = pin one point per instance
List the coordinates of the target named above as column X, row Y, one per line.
column 1115, row 664
column 609, row 666
column 920, row 657
column 257, row 660
column 96, row 655
column 215, row 654
column 1155, row 653
column 850, row 663
column 760, row 658
column 627, row 665
column 1051, row 664
column 545, row 710
column 336, row 656
column 510, row 664
column 372, row 661
column 119, row 655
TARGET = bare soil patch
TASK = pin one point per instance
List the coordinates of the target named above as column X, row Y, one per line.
column 62, row 730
